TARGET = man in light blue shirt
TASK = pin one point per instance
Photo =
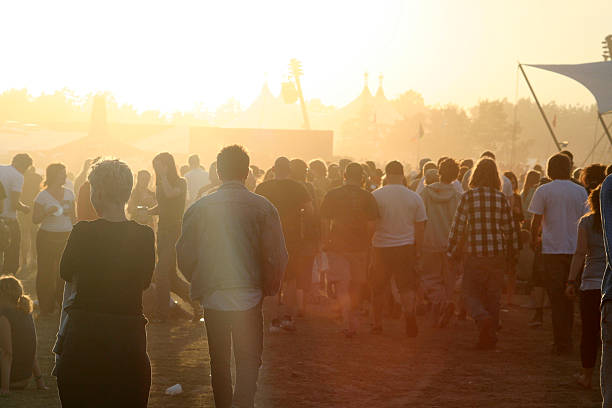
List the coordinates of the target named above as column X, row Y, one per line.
column 233, row 252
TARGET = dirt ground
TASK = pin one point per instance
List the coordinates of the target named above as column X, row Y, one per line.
column 317, row 367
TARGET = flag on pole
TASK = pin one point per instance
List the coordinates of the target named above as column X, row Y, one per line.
column 421, row 131
column 555, row 121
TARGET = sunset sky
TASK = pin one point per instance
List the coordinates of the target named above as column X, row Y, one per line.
column 171, row 55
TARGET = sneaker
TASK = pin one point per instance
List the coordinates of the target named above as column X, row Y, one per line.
column 412, row 330
column 535, row 323
column 275, row 326
column 447, row 314
column 287, row 324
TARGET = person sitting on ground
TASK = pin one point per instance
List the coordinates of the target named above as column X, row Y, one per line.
column 101, row 351
column 18, row 362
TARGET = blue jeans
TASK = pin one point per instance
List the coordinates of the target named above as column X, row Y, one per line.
column 245, row 330
column 483, row 278
column 606, row 354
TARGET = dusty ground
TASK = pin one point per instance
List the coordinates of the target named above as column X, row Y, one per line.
column 317, row 367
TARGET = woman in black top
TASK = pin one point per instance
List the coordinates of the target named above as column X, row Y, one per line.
column 102, row 354
column 170, row 192
column 17, row 338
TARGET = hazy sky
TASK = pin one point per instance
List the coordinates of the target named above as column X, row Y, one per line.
column 170, row 55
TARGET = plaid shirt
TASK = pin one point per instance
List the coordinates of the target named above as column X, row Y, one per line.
column 484, row 222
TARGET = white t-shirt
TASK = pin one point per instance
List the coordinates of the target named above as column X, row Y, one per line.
column 12, row 181
column 561, row 203
column 507, row 187
column 55, row 223
column 399, row 208
column 458, row 186
column 196, row 179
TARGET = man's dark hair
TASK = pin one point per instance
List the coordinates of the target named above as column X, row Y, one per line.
column 489, row 154
column 559, row 167
column 449, row 170
column 440, row 160
column 22, row 161
column 282, row 167
column 469, row 163
column 568, row 154
column 394, row 168
column 233, row 163
column 354, row 172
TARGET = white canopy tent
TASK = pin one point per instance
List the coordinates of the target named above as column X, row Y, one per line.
column 595, row 76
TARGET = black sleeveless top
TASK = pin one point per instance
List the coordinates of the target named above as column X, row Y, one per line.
column 23, row 336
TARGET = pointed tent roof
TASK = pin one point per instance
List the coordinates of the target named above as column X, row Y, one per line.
column 386, row 114
column 364, row 102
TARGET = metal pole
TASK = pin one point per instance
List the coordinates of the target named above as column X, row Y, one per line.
column 605, row 127
column 552, row 133
column 302, row 104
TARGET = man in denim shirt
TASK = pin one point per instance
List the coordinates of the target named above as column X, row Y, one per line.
column 606, row 295
column 232, row 250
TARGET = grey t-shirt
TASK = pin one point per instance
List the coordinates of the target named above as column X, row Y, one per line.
column 595, row 261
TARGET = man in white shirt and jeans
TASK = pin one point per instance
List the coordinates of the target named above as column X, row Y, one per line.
column 11, row 178
column 197, row 178
column 396, row 241
column 557, row 208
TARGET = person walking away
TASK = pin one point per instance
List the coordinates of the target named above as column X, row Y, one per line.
column 605, row 196
column 590, row 261
column 397, row 242
column 233, row 252
column 349, row 214
column 311, row 236
column 18, row 362
column 101, row 349
column 54, row 211
column 32, row 182
column 557, row 207
column 483, row 228
column 141, row 200
column 293, row 203
column 439, row 277
column 12, row 180
column 170, row 192
column 196, row 178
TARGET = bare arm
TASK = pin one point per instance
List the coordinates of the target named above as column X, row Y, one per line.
column 419, row 235
column 6, row 354
column 14, row 197
column 579, row 256
column 536, row 224
column 40, row 213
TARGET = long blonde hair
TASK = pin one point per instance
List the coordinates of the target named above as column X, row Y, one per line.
column 12, row 290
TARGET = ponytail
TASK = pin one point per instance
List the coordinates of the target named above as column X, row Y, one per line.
column 24, row 304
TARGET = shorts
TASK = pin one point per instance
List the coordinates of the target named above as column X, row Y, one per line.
column 347, row 266
column 299, row 267
column 397, row 262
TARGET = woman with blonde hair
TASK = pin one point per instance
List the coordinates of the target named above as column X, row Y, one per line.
column 54, row 210
column 17, row 338
column 101, row 348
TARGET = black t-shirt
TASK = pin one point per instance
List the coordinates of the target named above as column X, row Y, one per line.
column 23, row 338
column 289, row 198
column 349, row 208
column 111, row 264
column 171, row 209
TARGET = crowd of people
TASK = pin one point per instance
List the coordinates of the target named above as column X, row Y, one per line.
column 444, row 241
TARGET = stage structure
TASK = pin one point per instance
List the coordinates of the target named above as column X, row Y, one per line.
column 263, row 145
column 595, row 76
